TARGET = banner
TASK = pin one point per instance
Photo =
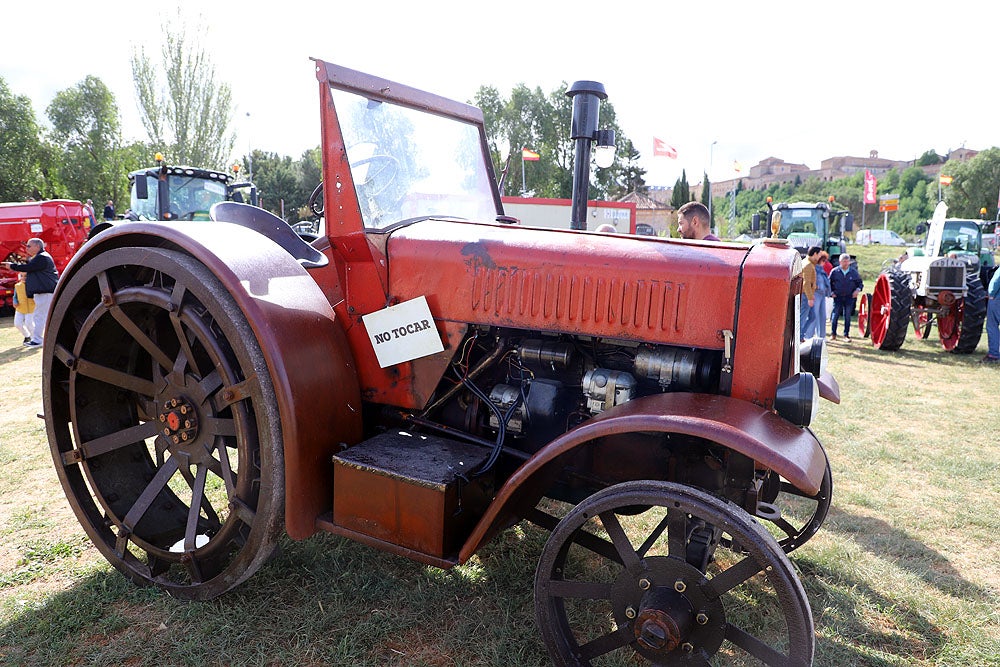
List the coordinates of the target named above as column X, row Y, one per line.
column 870, row 188
column 662, row 149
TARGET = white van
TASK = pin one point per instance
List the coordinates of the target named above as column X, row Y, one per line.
column 878, row 237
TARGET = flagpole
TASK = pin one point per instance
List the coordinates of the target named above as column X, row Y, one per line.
column 524, row 184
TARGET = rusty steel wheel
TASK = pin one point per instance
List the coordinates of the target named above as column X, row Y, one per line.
column 864, row 315
column 795, row 516
column 692, row 580
column 890, row 310
column 162, row 422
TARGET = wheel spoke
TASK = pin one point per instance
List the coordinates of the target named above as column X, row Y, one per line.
column 149, row 494
column 618, row 537
column 194, row 512
column 785, row 527
column 732, row 577
column 584, row 590
column 119, row 439
column 205, row 504
column 654, row 536
column 677, row 533
column 755, row 647
column 154, row 350
column 606, row 643
column 223, row 468
column 115, row 378
column 219, row 426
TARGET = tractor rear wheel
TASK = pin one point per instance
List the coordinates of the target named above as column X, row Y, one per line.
column 163, row 423
column 962, row 328
column 688, row 580
column 890, row 310
column 864, row 315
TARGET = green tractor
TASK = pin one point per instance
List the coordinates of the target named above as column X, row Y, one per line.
column 807, row 224
column 939, row 284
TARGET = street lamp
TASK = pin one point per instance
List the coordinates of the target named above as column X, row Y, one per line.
column 249, row 152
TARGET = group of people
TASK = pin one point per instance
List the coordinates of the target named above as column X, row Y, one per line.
column 33, row 291
column 90, row 217
column 820, row 280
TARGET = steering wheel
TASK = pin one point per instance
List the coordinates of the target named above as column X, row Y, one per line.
column 384, row 175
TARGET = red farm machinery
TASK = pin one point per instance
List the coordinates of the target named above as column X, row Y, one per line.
column 426, row 374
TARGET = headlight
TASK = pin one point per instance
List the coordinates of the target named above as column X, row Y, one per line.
column 813, row 355
column 797, row 399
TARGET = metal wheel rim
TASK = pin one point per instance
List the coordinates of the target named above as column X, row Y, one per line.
column 701, row 639
column 119, row 453
column 950, row 326
column 881, row 308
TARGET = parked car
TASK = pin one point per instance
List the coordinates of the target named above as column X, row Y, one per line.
column 878, row 237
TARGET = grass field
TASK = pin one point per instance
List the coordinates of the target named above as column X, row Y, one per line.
column 906, row 570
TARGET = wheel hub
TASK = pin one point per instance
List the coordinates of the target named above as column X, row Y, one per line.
column 179, row 420
column 665, row 622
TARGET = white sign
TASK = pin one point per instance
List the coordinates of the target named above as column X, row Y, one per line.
column 403, row 332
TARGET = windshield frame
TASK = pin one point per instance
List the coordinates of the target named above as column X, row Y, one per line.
column 340, row 191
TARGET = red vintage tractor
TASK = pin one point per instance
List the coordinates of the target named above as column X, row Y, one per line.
column 58, row 222
column 422, row 377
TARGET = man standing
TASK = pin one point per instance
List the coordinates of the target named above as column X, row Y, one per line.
column 39, row 284
column 993, row 321
column 693, row 222
column 806, row 321
column 109, row 211
column 846, row 285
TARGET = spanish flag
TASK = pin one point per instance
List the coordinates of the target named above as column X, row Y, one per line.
column 944, row 180
column 529, row 155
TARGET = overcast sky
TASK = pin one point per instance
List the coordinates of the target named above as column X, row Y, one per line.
column 802, row 81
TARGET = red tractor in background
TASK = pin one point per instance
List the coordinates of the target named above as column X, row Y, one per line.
column 426, row 374
column 58, row 222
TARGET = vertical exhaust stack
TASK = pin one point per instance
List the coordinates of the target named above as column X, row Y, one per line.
column 587, row 96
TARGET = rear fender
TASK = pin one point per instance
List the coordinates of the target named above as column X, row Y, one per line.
column 308, row 359
column 774, row 443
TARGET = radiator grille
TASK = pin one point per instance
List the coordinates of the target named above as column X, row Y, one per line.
column 947, row 277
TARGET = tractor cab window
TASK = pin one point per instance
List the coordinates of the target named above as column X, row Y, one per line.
column 801, row 221
column 191, row 197
column 145, row 209
column 961, row 237
column 409, row 164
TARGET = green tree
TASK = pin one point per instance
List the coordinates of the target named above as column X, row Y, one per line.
column 187, row 112
column 541, row 122
column 928, row 158
column 20, row 147
column 706, row 190
column 682, row 191
column 86, row 128
column 974, row 185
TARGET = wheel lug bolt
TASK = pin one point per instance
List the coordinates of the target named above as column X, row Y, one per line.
column 687, row 647
column 644, row 584
column 184, row 409
column 176, row 440
column 630, row 612
column 187, row 423
column 227, row 395
column 184, row 436
column 166, row 431
column 163, row 418
column 702, row 618
column 680, row 586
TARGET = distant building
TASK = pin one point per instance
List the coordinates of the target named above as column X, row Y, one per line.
column 652, row 210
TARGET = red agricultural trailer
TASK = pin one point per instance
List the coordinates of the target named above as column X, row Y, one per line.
column 58, row 222
column 425, row 375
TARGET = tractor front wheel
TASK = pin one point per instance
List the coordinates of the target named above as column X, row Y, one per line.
column 685, row 580
column 162, row 421
column 890, row 310
column 961, row 329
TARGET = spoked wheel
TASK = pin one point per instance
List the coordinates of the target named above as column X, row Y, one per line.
column 162, row 422
column 962, row 326
column 794, row 515
column 890, row 310
column 681, row 583
column 864, row 315
column 922, row 322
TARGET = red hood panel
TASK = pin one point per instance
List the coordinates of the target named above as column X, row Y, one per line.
column 611, row 286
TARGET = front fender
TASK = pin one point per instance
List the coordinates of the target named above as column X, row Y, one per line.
column 774, row 443
column 308, row 359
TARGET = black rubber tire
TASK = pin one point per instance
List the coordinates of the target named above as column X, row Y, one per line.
column 973, row 316
column 900, row 303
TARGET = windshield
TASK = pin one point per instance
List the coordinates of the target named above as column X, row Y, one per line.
column 961, row 236
column 191, row 198
column 410, row 164
column 802, row 221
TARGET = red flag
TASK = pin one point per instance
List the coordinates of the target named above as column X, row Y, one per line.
column 871, row 188
column 663, row 149
column 529, row 155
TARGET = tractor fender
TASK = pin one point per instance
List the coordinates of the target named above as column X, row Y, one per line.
column 304, row 346
column 744, row 427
